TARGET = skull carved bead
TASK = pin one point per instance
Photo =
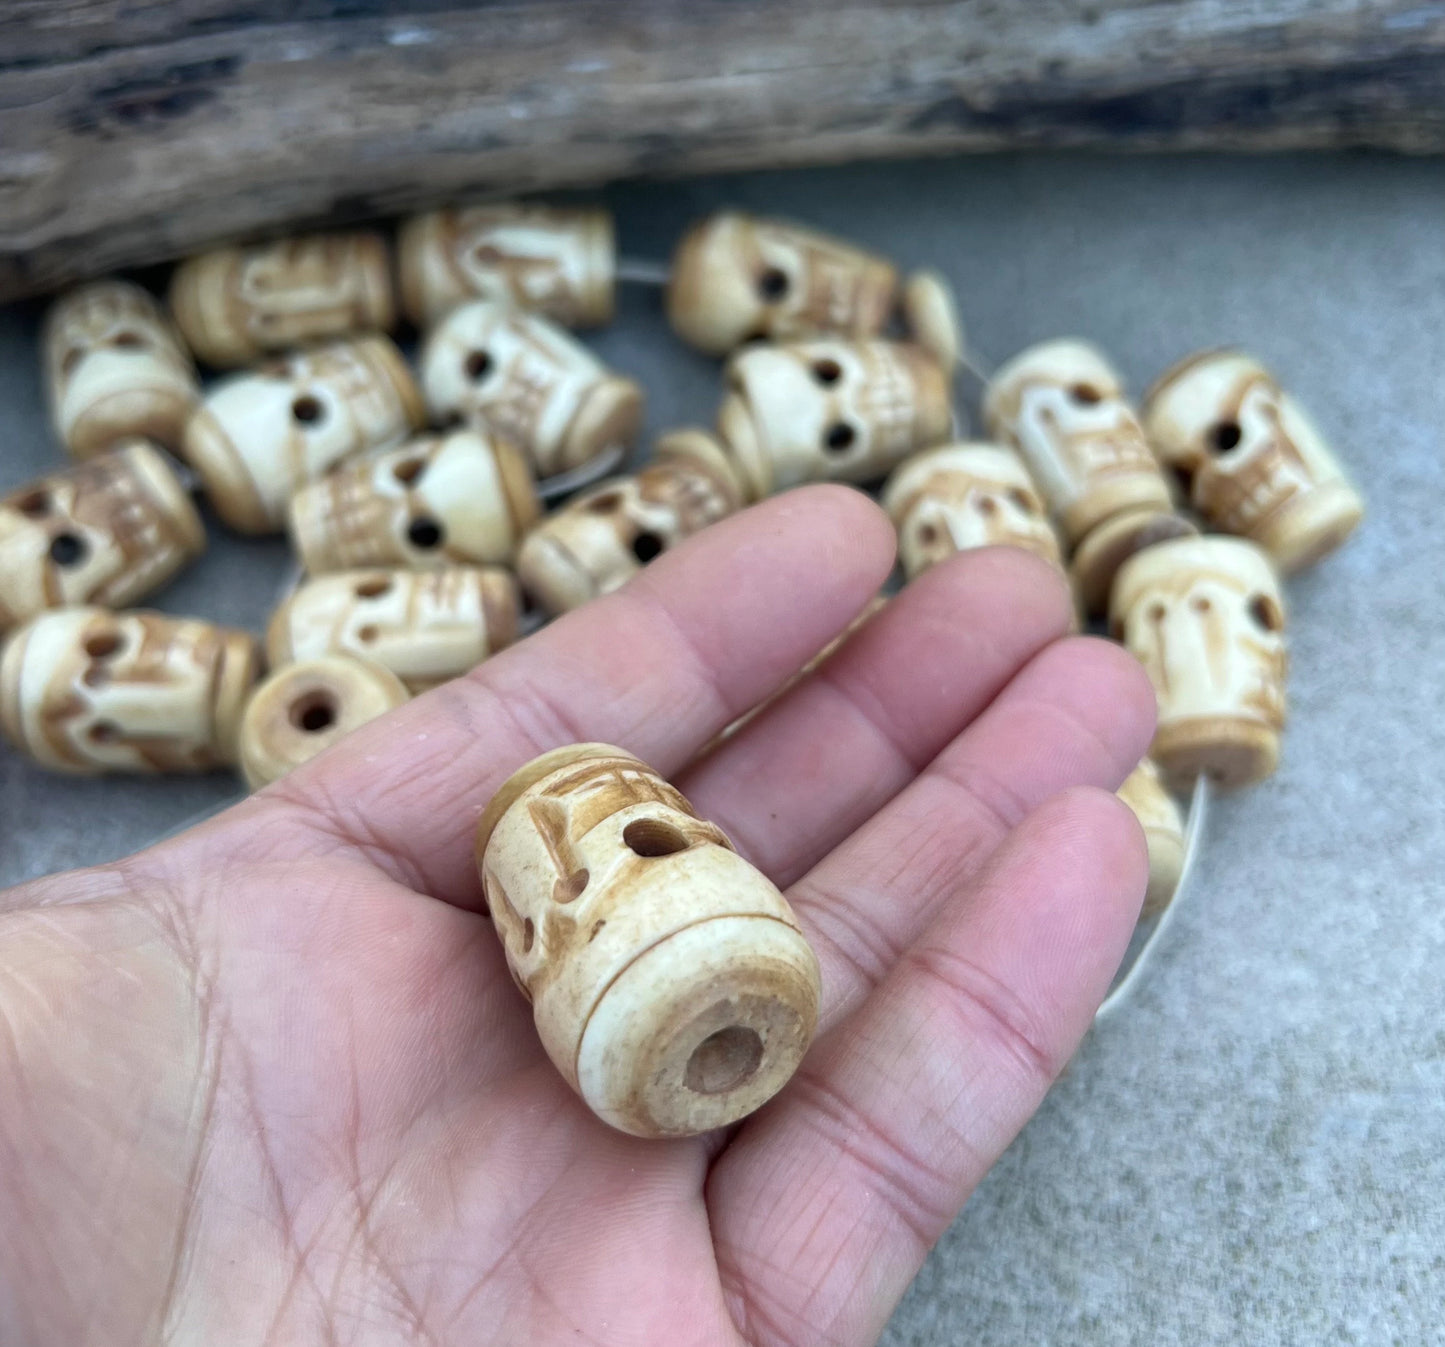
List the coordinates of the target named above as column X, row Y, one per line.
column 1158, row 815
column 107, row 531
column 669, row 980
column 437, row 501
column 525, row 379
column 1206, row 618
column 598, row 541
column 302, row 709
column 830, row 410
column 962, row 496
column 557, row 262
column 425, row 626
column 1062, row 406
column 262, row 434
column 115, row 368
column 1255, row 464
column 88, row 690
column 235, row 304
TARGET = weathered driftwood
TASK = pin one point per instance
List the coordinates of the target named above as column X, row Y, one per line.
column 134, row 133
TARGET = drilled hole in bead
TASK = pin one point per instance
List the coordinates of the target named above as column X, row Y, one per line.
column 1086, row 395
column 478, row 365
column 127, row 340
column 68, row 550
column 367, row 634
column 606, row 503
column 103, row 644
column 773, row 284
column 838, row 438
column 307, row 410
column 104, row 732
column 569, row 890
column 1266, row 613
column 409, row 470
column 314, row 712
column 35, row 505
column 373, row 587
column 724, row 1060
column 529, row 936
column 1225, row 436
column 827, row 372
column 653, row 837
column 647, row 546
column 424, row 533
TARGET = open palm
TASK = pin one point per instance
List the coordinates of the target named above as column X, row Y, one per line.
column 270, row 1082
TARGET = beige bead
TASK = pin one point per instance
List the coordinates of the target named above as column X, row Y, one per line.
column 556, row 262
column 962, row 496
column 115, row 368
column 89, row 690
column 930, row 313
column 1158, row 815
column 436, row 501
column 108, row 531
column 1107, row 546
column 236, row 304
column 1062, row 406
column 302, row 709
column 529, row 381
column 261, row 435
column 425, row 626
column 599, row 540
column 1255, row 463
column 736, row 278
column 830, row 410
column 669, row 980
column 1206, row 617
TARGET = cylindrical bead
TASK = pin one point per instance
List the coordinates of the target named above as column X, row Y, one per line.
column 262, row 434
column 1107, row 546
column 235, row 304
column 962, row 496
column 439, row 500
column 1206, row 617
column 561, row 263
column 302, row 709
column 736, row 278
column 115, row 368
column 930, row 313
column 669, row 980
column 529, row 381
column 89, row 690
column 1062, row 406
column 830, row 411
column 425, row 626
column 599, row 540
column 1254, row 462
column 1158, row 815
column 108, row 531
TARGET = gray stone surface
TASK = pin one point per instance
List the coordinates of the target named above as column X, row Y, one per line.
column 1255, row 1151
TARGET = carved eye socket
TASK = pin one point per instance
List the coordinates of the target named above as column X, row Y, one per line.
column 313, row 712
column 308, row 410
column 1224, row 436
column 129, row 341
column 653, row 837
column 373, row 587
column 1023, row 501
column 424, row 533
column 927, row 535
column 34, row 506
column 773, row 284
column 569, row 890
column 827, row 372
column 1200, row 604
column 104, row 644
column 1157, row 612
column 478, row 365
column 606, row 503
column 409, row 470
column 103, row 732
column 1265, row 613
column 66, row 549
column 839, row 437
column 986, row 506
column 1086, row 395
column 487, row 255
column 647, row 546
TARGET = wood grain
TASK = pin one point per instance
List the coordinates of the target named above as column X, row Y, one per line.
column 131, row 134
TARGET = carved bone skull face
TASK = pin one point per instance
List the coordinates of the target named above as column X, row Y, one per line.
column 293, row 288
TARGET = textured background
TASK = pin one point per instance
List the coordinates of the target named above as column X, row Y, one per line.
column 1255, row 1151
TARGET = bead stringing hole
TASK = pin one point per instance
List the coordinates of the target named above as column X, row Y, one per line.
column 314, row 712
column 724, row 1060
column 653, row 837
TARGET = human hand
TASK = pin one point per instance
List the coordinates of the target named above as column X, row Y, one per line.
column 269, row 1082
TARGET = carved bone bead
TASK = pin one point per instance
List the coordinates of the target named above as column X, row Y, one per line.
column 557, row 262
column 1255, row 463
column 1158, row 815
column 1107, row 546
column 437, row 501
column 88, row 690
column 425, row 626
column 236, row 304
column 669, row 980
column 107, row 531
column 527, row 380
column 1205, row 616
column 830, row 411
column 1062, row 406
column 962, row 496
column 736, row 277
column 930, row 313
column 599, row 540
column 262, row 434
column 115, row 368
column 302, row 709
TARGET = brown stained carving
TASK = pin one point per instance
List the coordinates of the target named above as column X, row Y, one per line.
column 314, row 277
column 1246, row 488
